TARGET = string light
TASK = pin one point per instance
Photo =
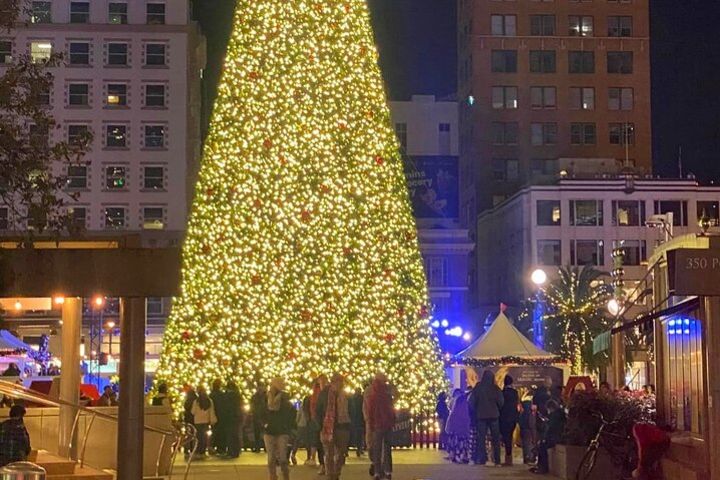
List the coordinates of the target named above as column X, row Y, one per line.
column 301, row 255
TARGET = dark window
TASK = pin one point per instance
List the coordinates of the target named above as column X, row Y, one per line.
column 117, row 13
column 155, row 54
column 543, row 166
column 153, row 178
column 79, row 216
column 677, row 207
column 620, row 62
column 505, row 97
column 79, row 94
column 115, row 178
column 506, row 169
column 620, row 26
column 635, row 251
column 79, row 53
column 548, row 212
column 548, row 252
column 41, row 12
column 42, row 95
column 117, row 54
column 77, row 176
column 504, row 61
column 581, row 62
column 400, row 132
column 620, row 98
column 116, row 136
column 79, row 12
column 154, row 95
column 542, row 61
column 582, row 134
column 505, row 133
column 154, row 136
column 580, row 26
column 622, row 133
column 155, row 13
column 710, row 210
column 586, row 213
column 543, row 97
column 543, row 134
column 5, row 52
column 542, row 25
column 78, row 135
column 628, row 213
column 503, row 25
column 587, row 252
column 114, row 217
column 4, row 218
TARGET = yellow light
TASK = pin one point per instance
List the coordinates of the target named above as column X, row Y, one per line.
column 59, row 300
column 110, row 325
column 113, row 99
column 18, row 305
column 99, row 301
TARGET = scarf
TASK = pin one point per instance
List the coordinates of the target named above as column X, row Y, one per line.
column 274, row 401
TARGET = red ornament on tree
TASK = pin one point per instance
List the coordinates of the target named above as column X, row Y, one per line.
column 267, row 144
column 206, row 249
column 198, row 354
column 379, row 160
column 186, row 335
column 400, row 312
column 424, row 311
column 210, row 192
column 257, row 203
column 306, row 315
column 347, row 251
column 305, row 216
column 390, row 338
column 255, row 280
column 253, row 75
column 324, row 188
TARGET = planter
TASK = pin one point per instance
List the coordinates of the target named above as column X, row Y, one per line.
column 565, row 460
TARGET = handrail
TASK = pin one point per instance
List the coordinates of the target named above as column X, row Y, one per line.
column 19, row 391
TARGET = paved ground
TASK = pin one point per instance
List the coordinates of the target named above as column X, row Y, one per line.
column 409, row 465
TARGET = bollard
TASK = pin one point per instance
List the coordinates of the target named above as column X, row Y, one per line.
column 22, row 471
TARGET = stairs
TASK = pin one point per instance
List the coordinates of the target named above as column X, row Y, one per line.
column 62, row 469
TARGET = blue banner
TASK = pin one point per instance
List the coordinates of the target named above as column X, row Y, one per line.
column 433, row 185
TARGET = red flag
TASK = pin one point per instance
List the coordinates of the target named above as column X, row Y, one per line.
column 503, row 307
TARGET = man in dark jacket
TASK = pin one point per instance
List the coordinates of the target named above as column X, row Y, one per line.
column 551, row 437
column 486, row 400
column 14, row 437
column 279, row 416
column 509, row 417
column 219, row 437
column 258, row 407
column 234, row 414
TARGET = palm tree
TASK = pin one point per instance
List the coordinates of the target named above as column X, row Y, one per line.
column 576, row 302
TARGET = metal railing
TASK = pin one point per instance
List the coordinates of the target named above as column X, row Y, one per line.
column 182, row 434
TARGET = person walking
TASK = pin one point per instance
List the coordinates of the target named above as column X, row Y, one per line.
column 442, row 411
column 457, row 428
column 486, row 400
column 280, row 422
column 203, row 412
column 14, row 437
column 234, row 420
column 357, row 422
column 551, row 436
column 258, row 408
column 315, row 424
column 381, row 415
column 509, row 415
column 334, row 411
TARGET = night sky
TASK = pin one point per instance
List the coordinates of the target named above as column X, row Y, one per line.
column 417, row 42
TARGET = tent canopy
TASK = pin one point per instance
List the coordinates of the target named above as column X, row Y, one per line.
column 10, row 344
column 501, row 340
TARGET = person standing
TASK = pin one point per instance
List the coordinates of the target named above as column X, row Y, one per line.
column 203, row 412
column 357, row 422
column 108, row 398
column 442, row 411
column 315, row 426
column 551, row 436
column 280, row 422
column 486, row 400
column 190, row 397
column 509, row 415
column 528, row 433
column 258, row 407
column 334, row 411
column 14, row 437
column 457, row 428
column 161, row 399
column 219, row 436
column 381, row 415
column 234, row 414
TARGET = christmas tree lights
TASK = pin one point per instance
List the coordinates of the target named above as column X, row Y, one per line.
column 301, row 255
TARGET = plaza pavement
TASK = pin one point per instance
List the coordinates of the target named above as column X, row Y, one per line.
column 408, row 465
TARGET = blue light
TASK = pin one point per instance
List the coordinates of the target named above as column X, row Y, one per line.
column 671, row 332
column 435, row 324
column 444, row 323
column 686, row 331
column 671, row 323
column 687, row 321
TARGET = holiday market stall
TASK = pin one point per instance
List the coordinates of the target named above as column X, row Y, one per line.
column 14, row 350
column 506, row 351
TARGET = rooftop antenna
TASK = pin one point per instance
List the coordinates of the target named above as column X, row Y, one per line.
column 680, row 169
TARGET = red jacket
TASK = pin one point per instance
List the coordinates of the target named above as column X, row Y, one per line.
column 381, row 414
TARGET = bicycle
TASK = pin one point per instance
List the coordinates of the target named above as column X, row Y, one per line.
column 587, row 464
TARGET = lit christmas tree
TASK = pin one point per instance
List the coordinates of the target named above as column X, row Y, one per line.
column 301, row 255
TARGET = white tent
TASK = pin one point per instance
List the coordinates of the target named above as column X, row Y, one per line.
column 502, row 340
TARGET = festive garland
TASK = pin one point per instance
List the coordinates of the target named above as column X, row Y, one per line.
column 510, row 360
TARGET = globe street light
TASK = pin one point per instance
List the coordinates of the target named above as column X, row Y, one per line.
column 539, row 277
column 613, row 307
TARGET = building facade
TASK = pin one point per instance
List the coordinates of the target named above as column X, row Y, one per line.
column 580, row 222
column 546, row 86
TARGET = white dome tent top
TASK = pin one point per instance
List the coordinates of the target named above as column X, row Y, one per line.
column 503, row 340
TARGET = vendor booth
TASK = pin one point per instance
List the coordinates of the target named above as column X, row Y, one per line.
column 506, row 351
column 14, row 350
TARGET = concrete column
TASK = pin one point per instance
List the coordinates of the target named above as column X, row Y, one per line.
column 132, row 381
column 70, row 377
column 712, row 382
column 617, row 345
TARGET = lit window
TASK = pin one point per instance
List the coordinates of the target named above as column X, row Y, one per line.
column 620, row 98
column 580, row 26
column 586, row 213
column 504, row 25
column 117, row 94
column 505, row 97
column 548, row 212
column 115, row 177
column 40, row 51
column 628, row 213
column 582, row 98
column 117, row 13
column 41, row 12
column 116, row 136
column 635, row 251
column 153, row 218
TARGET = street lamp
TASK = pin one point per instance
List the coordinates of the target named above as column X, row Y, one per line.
column 613, row 307
column 538, row 277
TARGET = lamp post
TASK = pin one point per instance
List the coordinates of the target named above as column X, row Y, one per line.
column 538, row 277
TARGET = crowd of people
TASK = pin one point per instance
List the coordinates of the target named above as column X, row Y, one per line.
column 326, row 423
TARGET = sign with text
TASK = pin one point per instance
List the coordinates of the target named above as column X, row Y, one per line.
column 694, row 272
column 433, row 184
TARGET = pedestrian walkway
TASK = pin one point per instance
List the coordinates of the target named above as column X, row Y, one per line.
column 409, row 465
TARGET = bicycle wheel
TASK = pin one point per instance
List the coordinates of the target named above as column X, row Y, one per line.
column 587, row 464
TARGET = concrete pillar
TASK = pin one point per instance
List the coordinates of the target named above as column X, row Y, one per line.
column 132, row 394
column 712, row 381
column 70, row 377
column 617, row 345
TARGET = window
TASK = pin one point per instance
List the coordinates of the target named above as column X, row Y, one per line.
column 153, row 178
column 4, row 218
column 542, row 25
column 154, row 306
column 153, row 218
column 444, row 138
column 620, row 26
column 543, row 134
column 40, row 51
column 436, row 271
column 548, row 213
column 504, row 133
column 155, row 13
column 622, row 133
column 78, row 135
column 504, row 61
column 154, row 136
column 77, row 176
column 580, row 26
column 79, row 12
column 542, row 61
column 117, row 54
column 587, row 252
column 400, row 128
column 548, row 252
column 117, row 95
column 154, row 95
column 79, row 94
column 504, row 97
column 678, row 208
column 620, row 98
column 543, row 166
column 115, row 218
column 620, row 62
column 586, row 213
column 5, row 52
column 581, row 62
column 628, row 213
column 39, row 136
column 115, row 177
column 117, row 13
column 155, row 54
column 543, row 97
column 582, row 134
column 79, row 53
column 635, row 251
column 41, row 12
column 582, row 98
column 115, row 136
column 504, row 25
column 78, row 216
column 42, row 95
column 709, row 210
column 506, row 169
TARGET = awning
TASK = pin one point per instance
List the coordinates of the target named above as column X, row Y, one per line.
column 602, row 342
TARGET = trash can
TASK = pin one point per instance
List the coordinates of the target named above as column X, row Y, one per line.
column 22, row 471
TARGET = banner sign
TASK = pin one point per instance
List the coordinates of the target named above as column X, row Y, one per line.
column 529, row 375
column 694, row 272
column 433, row 185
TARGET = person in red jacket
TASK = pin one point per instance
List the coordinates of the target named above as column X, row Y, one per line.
column 381, row 420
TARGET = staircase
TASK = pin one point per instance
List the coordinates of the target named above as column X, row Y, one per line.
column 63, row 469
